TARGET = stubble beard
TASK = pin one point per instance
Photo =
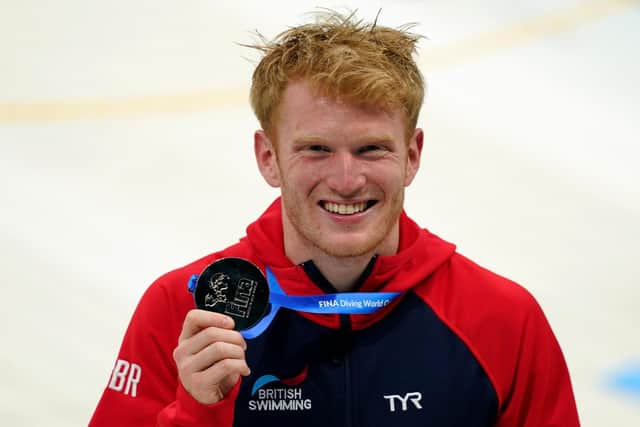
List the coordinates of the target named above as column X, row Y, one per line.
column 313, row 236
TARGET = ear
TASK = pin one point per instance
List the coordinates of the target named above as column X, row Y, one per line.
column 414, row 151
column 266, row 158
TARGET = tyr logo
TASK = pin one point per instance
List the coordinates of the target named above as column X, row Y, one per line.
column 415, row 397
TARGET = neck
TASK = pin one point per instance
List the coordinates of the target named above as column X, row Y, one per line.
column 342, row 272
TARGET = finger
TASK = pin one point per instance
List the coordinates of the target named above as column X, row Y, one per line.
column 222, row 370
column 208, row 336
column 196, row 320
column 212, row 355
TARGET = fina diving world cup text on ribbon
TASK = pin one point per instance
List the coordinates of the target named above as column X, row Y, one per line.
column 343, row 303
column 346, row 303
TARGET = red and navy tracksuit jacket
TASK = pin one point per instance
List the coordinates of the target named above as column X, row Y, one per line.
column 461, row 347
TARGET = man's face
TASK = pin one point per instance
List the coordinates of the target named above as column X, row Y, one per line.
column 342, row 170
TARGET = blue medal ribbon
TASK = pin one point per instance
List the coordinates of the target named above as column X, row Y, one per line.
column 342, row 303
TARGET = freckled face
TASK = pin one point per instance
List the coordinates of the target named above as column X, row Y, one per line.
column 342, row 170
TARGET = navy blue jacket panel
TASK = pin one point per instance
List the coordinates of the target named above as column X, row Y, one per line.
column 408, row 369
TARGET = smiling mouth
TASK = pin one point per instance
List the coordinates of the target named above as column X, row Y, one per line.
column 347, row 208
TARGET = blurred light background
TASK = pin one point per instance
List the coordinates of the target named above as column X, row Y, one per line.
column 126, row 151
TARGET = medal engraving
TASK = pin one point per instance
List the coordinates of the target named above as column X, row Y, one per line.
column 218, row 284
column 235, row 287
column 242, row 303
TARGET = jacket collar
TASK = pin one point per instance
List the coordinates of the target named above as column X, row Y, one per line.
column 419, row 254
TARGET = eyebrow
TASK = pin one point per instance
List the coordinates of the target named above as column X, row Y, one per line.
column 312, row 139
column 369, row 139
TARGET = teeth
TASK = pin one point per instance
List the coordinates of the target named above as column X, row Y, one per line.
column 345, row 209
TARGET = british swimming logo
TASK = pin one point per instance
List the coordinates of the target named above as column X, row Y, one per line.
column 289, row 398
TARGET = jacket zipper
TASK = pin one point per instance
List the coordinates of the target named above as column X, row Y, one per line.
column 349, row 420
column 345, row 323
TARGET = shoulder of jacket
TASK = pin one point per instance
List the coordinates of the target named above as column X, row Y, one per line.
column 491, row 314
column 466, row 282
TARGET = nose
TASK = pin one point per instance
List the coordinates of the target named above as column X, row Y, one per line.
column 345, row 174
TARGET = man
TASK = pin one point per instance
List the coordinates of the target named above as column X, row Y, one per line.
column 452, row 345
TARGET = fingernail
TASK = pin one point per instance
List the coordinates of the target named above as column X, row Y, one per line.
column 228, row 322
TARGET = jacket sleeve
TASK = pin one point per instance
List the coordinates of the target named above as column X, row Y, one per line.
column 144, row 389
column 540, row 393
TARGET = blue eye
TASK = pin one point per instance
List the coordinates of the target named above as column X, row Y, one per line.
column 317, row 147
column 373, row 150
column 370, row 148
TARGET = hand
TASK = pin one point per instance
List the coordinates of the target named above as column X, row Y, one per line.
column 210, row 356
